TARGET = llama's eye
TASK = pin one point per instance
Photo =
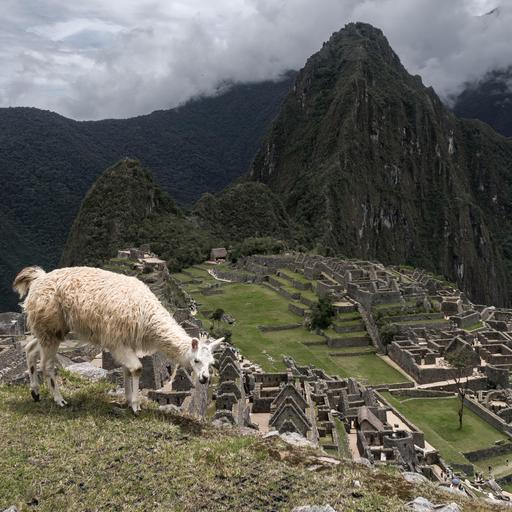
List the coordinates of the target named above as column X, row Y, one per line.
column 196, row 360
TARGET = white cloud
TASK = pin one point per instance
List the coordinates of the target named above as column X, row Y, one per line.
column 94, row 59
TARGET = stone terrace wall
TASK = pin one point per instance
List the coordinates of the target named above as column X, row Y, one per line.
column 486, row 453
column 488, row 416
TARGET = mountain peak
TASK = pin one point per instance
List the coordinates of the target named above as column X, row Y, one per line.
column 372, row 164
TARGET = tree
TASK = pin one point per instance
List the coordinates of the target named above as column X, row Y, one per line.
column 217, row 315
column 460, row 360
column 388, row 332
column 322, row 314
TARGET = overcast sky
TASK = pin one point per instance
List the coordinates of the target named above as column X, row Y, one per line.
column 91, row 59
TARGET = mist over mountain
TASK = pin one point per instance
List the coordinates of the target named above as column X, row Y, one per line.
column 490, row 100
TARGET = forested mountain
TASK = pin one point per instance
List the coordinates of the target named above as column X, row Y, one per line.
column 372, row 165
column 48, row 162
column 125, row 207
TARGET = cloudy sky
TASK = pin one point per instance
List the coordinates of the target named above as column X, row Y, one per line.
column 92, row 59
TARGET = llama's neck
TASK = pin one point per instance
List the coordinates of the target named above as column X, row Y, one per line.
column 173, row 340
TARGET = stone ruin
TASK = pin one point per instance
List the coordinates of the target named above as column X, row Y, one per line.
column 13, row 363
column 12, row 324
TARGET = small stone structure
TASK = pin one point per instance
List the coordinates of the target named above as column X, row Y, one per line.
column 219, row 253
column 12, row 324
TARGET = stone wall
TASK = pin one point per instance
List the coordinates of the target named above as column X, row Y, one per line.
column 389, row 387
column 235, row 276
column 485, row 453
column 372, row 329
column 417, row 434
column 296, row 310
column 355, row 341
column 283, row 327
column 421, row 393
column 488, row 416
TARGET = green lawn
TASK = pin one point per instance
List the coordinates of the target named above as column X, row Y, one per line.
column 295, row 275
column 253, row 305
column 348, row 315
column 475, row 326
column 438, row 418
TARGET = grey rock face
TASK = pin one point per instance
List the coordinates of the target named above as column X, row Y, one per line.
column 88, row 371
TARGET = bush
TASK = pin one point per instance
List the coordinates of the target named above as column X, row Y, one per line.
column 388, row 332
column 322, row 314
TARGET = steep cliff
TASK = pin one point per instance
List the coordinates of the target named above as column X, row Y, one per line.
column 372, row 164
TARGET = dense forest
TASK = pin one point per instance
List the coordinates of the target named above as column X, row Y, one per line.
column 48, row 162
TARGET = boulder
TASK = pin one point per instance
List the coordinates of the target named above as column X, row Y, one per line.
column 421, row 504
column 414, row 478
column 88, row 370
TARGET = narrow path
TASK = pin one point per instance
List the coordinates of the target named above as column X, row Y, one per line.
column 212, row 273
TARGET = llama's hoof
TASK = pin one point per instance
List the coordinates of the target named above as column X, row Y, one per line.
column 136, row 409
column 36, row 397
column 61, row 402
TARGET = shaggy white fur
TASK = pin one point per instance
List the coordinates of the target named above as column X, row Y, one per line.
column 113, row 311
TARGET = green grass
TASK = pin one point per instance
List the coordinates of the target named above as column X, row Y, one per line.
column 499, row 465
column 475, row 326
column 347, row 323
column 95, row 455
column 370, row 349
column 430, row 321
column 298, row 334
column 343, row 439
column 349, row 315
column 295, row 275
column 438, row 419
column 308, row 294
column 252, row 305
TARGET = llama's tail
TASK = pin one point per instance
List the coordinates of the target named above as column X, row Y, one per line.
column 25, row 278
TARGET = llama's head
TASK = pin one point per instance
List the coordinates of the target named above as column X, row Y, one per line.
column 201, row 357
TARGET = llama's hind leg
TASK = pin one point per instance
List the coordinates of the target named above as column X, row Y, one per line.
column 32, row 351
column 128, row 358
column 48, row 359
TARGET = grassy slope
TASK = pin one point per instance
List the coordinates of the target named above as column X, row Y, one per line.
column 87, row 457
column 437, row 417
column 254, row 305
column 94, row 455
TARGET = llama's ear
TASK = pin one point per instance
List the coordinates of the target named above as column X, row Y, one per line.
column 195, row 344
column 215, row 343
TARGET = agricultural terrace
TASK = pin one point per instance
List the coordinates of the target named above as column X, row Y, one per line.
column 254, row 305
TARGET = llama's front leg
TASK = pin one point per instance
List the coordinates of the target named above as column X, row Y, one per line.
column 32, row 351
column 127, row 386
column 48, row 358
column 128, row 358
column 173, row 376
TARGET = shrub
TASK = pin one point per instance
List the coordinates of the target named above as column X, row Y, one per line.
column 322, row 314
